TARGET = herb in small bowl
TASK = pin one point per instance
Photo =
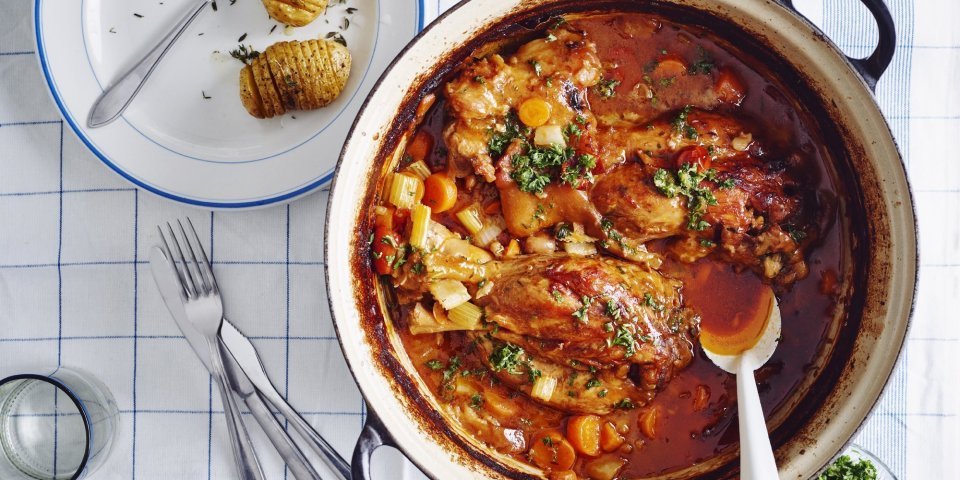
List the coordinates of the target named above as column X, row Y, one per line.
column 846, row 468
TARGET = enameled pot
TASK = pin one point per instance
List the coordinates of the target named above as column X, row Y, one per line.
column 877, row 306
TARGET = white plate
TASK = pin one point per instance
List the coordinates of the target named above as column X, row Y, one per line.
column 208, row 151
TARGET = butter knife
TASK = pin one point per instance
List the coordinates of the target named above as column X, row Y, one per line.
column 244, row 353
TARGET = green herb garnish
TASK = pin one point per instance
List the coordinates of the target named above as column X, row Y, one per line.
column 534, row 170
column 607, row 87
column 507, row 357
column 244, row 53
column 703, row 65
column 581, row 313
column 624, row 338
column 687, row 181
column 844, row 468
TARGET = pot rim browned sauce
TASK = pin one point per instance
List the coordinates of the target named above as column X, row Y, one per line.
column 694, row 415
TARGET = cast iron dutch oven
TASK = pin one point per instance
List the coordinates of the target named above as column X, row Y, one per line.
column 837, row 89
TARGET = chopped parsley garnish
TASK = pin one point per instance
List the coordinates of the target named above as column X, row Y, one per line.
column 681, row 126
column 624, row 338
column 418, row 268
column 602, row 393
column 581, row 313
column 514, row 129
column 244, row 53
column 547, row 441
column 580, row 119
column 649, row 301
column 625, row 404
column 507, row 357
column 687, row 182
column 707, row 243
column 434, row 364
column 532, row 170
column 572, row 130
column 614, row 309
column 476, row 401
column 449, row 373
column 583, row 170
column 592, row 383
column 607, row 226
column 539, row 214
column 557, row 296
column 533, row 373
column 703, row 65
column 844, row 468
column 537, row 68
column 796, row 234
column 607, row 87
column 563, row 231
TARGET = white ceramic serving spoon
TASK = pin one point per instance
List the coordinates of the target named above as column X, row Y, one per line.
column 756, row 453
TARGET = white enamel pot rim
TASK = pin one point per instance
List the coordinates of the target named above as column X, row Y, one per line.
column 885, row 279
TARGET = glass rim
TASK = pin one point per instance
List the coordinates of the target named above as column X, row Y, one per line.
column 84, row 415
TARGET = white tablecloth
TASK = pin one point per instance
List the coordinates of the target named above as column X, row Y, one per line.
column 75, row 290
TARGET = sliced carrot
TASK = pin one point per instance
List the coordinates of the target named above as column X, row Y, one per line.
column 551, row 452
column 729, row 87
column 440, row 192
column 583, row 431
column 563, row 475
column 701, row 398
column 534, row 112
column 610, row 438
column 420, row 146
column 647, row 421
column 669, row 66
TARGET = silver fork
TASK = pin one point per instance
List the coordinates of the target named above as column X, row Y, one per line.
column 204, row 308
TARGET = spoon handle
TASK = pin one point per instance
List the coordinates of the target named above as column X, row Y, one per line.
column 114, row 100
column 756, row 454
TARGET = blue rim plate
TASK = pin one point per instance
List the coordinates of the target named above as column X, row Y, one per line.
column 186, row 137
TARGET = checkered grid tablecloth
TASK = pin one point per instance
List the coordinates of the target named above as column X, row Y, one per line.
column 75, row 289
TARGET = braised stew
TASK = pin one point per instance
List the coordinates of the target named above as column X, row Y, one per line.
column 567, row 212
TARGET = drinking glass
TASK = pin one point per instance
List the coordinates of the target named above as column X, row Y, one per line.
column 56, row 426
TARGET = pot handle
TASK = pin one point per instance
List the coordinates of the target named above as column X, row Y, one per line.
column 373, row 436
column 872, row 67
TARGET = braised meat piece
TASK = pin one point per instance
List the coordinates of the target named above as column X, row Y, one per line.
column 575, row 318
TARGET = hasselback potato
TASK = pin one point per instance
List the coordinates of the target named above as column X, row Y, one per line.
column 295, row 12
column 294, row 76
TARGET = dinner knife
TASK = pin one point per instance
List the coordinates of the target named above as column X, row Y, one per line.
column 115, row 99
column 256, row 391
column 246, row 355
